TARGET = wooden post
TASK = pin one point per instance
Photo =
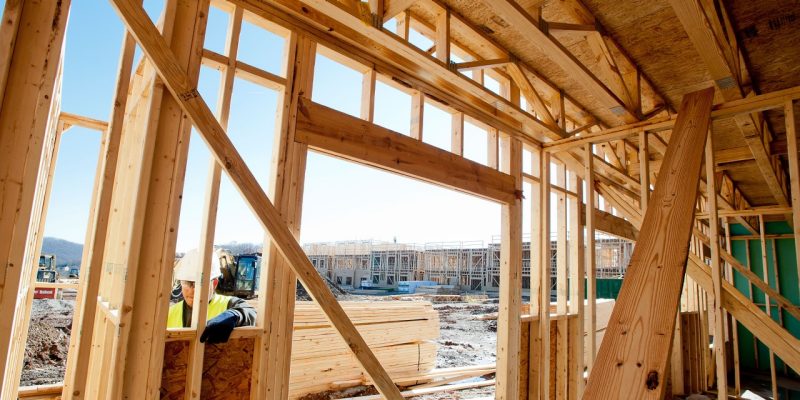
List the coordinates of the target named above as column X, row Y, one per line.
column 194, row 371
column 457, row 134
column 83, row 319
column 577, row 286
column 493, row 148
column 368, row 95
column 29, row 70
column 545, row 284
column 644, row 170
column 562, row 351
column 767, row 305
column 734, row 324
column 508, row 321
column 443, row 36
column 716, row 272
column 591, row 269
column 794, row 174
column 272, row 360
column 656, row 271
column 535, row 380
column 417, row 113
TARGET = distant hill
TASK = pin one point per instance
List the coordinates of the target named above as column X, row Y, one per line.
column 66, row 252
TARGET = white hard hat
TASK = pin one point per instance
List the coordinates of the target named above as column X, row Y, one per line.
column 188, row 267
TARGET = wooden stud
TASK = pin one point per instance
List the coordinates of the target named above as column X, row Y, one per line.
column 442, row 41
column 591, row 269
column 794, row 173
column 457, row 134
column 545, row 282
column 404, row 25
column 644, row 172
column 368, row 96
column 577, row 285
column 767, row 302
column 29, row 75
column 734, row 325
column 417, row 114
column 191, row 102
column 508, row 322
column 272, row 361
column 493, row 148
column 716, row 273
column 535, row 379
column 562, row 351
column 83, row 319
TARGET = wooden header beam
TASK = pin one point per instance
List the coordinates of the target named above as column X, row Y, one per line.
column 336, row 133
column 155, row 48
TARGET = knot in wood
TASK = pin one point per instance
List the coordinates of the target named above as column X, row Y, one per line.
column 652, row 380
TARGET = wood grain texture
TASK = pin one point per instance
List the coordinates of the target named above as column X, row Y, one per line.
column 341, row 135
column 176, row 80
column 633, row 358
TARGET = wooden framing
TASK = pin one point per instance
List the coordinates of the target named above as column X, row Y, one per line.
column 117, row 345
column 29, row 74
column 644, row 366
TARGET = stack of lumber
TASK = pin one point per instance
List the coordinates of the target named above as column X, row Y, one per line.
column 401, row 334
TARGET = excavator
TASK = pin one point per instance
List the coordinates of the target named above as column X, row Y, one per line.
column 240, row 274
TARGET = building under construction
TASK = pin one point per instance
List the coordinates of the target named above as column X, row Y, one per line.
column 672, row 123
column 470, row 266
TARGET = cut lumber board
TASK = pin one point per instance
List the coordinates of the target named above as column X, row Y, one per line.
column 633, row 357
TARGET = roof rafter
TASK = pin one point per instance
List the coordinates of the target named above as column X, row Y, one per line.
column 720, row 52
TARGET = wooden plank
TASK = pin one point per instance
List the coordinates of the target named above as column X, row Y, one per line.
column 562, row 351
column 767, row 302
column 518, row 75
column 30, row 85
column 417, row 114
column 544, row 275
column 737, row 384
column 508, row 322
column 624, row 370
column 86, row 122
column 532, row 375
column 8, row 36
column 577, row 287
column 457, row 134
column 338, row 134
column 176, row 80
column 272, row 361
column 368, row 95
column 717, row 276
column 442, row 41
column 591, row 269
column 482, row 64
column 644, row 172
column 794, row 173
column 83, row 318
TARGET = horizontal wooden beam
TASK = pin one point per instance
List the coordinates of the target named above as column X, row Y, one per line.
column 84, row 122
column 725, row 110
column 482, row 64
column 611, row 224
column 333, row 132
column 753, row 212
column 176, row 80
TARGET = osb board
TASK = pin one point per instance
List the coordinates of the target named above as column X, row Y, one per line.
column 226, row 368
column 769, row 33
column 523, row 47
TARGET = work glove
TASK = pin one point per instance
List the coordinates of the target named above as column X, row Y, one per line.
column 218, row 329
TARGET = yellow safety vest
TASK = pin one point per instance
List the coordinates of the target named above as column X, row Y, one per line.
column 217, row 305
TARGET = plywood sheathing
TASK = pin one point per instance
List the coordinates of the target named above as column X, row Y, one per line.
column 527, row 51
column 654, row 38
column 769, row 34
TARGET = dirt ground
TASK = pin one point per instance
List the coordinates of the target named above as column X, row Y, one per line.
column 48, row 342
column 464, row 340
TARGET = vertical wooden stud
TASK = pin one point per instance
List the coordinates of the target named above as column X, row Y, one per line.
column 417, row 113
column 508, row 323
column 716, row 271
column 457, row 134
column 644, row 170
column 368, row 95
column 591, row 270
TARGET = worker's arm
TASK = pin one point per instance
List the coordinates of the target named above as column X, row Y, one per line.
column 246, row 312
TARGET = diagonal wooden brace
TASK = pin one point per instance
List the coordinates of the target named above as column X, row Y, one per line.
column 176, row 80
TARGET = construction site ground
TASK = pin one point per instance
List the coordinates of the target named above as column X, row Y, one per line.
column 464, row 340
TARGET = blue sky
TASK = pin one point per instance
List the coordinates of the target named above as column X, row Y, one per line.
column 342, row 200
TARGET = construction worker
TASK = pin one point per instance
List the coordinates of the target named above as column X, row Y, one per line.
column 224, row 312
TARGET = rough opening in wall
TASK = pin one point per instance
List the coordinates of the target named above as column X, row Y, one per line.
column 392, row 106
column 337, row 84
column 438, row 125
column 476, row 142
